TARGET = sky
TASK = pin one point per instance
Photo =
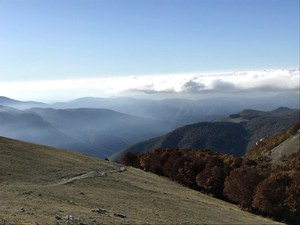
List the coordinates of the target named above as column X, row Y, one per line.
column 135, row 46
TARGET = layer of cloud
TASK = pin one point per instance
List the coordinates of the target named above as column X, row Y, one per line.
column 193, row 86
column 188, row 84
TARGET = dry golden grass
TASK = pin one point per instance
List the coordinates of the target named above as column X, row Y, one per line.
column 27, row 197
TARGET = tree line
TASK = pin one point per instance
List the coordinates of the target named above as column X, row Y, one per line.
column 257, row 186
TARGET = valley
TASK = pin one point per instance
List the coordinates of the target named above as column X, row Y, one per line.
column 45, row 185
column 234, row 135
column 153, row 112
column 109, row 127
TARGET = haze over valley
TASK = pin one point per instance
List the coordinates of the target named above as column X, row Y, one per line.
column 158, row 112
column 105, row 126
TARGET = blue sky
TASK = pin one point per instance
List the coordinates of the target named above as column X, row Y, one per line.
column 71, row 39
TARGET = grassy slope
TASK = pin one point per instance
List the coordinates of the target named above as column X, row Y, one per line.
column 26, row 170
column 276, row 148
column 284, row 149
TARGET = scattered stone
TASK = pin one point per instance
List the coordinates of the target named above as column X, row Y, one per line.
column 23, row 209
column 101, row 174
column 122, row 169
column 81, row 193
column 100, row 210
column 27, row 193
column 69, row 217
column 120, row 215
column 71, row 202
column 57, row 217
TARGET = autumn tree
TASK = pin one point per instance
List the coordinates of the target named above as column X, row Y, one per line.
column 130, row 159
column 292, row 200
column 212, row 177
column 271, row 194
column 239, row 186
column 154, row 161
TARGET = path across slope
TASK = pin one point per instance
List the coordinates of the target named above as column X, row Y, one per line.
column 94, row 173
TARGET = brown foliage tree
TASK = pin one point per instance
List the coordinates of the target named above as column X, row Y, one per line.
column 292, row 200
column 130, row 159
column 293, row 161
column 269, row 189
column 279, row 194
column 154, row 160
column 239, row 186
column 172, row 164
column 188, row 172
column 213, row 175
column 270, row 194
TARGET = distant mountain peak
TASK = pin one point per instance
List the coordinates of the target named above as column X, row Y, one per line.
column 281, row 109
column 5, row 100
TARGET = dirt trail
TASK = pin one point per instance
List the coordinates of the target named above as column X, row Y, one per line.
column 94, row 173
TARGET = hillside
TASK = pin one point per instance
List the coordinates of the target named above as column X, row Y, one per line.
column 97, row 132
column 222, row 136
column 265, row 124
column 105, row 130
column 31, row 127
column 258, row 186
column 5, row 101
column 233, row 135
column 42, row 185
column 277, row 148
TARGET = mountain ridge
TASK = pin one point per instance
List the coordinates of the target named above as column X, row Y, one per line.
column 5, row 101
column 98, row 132
column 251, row 126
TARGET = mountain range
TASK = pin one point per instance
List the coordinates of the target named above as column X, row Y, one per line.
column 5, row 101
column 138, row 125
column 178, row 112
column 98, row 132
column 232, row 135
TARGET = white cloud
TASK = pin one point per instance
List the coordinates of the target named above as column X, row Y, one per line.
column 191, row 84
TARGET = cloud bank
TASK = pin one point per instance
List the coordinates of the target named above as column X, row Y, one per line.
column 149, row 85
